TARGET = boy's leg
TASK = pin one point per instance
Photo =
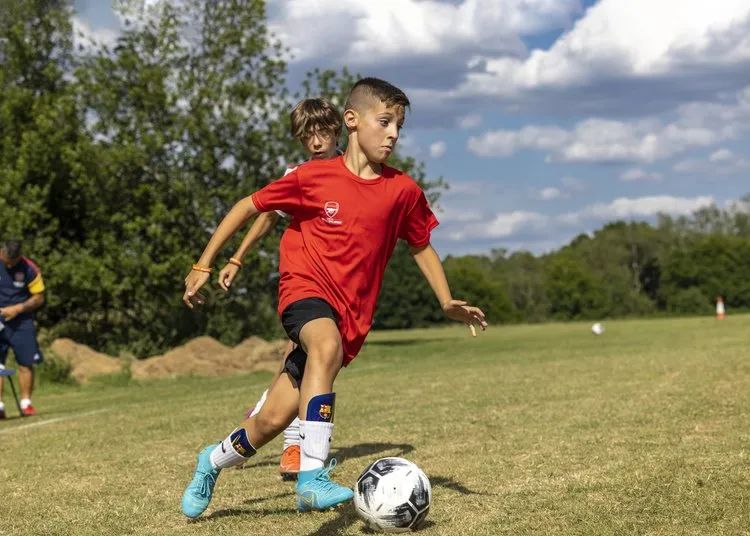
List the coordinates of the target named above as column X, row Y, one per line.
column 289, row 462
column 322, row 341
column 259, row 404
column 278, row 411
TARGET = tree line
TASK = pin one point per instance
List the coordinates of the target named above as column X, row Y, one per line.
column 675, row 266
column 117, row 161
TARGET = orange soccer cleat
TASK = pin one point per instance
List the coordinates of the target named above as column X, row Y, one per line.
column 28, row 411
column 289, row 464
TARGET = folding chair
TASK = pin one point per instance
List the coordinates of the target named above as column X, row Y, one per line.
column 9, row 373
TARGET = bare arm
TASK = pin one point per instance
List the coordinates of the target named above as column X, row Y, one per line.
column 260, row 228
column 431, row 267
column 32, row 304
column 243, row 210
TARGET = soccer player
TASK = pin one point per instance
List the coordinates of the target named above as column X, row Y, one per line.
column 348, row 213
column 21, row 293
column 316, row 124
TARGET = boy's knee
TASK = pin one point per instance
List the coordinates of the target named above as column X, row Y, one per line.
column 327, row 352
column 271, row 421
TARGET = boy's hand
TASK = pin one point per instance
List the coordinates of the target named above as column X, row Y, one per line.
column 471, row 316
column 193, row 282
column 227, row 275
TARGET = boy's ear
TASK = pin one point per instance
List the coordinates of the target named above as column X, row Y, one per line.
column 351, row 118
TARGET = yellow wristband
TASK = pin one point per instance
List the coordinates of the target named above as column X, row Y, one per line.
column 236, row 262
column 199, row 268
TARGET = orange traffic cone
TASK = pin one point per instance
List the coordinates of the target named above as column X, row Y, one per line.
column 721, row 311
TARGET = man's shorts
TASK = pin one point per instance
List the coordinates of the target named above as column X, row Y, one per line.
column 293, row 318
column 22, row 338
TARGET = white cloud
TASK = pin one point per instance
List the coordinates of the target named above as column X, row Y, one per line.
column 361, row 32
column 626, row 39
column 720, row 162
column 597, row 140
column 639, row 207
column 438, row 149
column 520, row 225
column 721, row 155
column 469, row 121
column 84, row 35
column 638, row 174
column 549, row 193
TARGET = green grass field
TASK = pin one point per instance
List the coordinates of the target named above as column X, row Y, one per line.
column 542, row 429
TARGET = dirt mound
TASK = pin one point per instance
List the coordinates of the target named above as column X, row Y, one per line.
column 205, row 356
column 85, row 362
column 202, row 356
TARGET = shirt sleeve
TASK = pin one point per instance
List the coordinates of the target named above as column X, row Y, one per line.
column 284, row 194
column 35, row 283
column 419, row 223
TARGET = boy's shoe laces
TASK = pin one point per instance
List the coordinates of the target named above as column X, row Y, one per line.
column 325, row 476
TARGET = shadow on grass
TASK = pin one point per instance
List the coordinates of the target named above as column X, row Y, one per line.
column 345, row 517
column 448, row 483
column 231, row 512
column 370, row 449
column 344, row 453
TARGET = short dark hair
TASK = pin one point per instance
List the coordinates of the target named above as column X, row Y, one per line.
column 314, row 115
column 12, row 248
column 368, row 88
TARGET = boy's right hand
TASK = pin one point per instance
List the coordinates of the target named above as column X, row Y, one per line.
column 227, row 275
column 193, row 282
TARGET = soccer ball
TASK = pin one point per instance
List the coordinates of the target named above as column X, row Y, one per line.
column 597, row 329
column 392, row 495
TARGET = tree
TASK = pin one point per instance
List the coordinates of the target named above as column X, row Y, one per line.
column 185, row 111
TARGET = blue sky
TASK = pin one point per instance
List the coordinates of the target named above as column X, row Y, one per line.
column 547, row 118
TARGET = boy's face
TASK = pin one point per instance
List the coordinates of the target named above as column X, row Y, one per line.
column 378, row 129
column 320, row 144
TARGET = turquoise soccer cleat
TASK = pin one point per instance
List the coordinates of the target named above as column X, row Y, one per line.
column 198, row 494
column 316, row 490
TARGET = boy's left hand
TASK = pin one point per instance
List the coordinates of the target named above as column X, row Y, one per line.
column 193, row 282
column 469, row 315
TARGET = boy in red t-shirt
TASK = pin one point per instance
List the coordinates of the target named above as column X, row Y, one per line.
column 348, row 213
column 316, row 124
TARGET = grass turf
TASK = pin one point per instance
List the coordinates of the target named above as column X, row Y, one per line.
column 542, row 429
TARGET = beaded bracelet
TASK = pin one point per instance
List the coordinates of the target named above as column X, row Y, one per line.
column 199, row 268
column 236, row 262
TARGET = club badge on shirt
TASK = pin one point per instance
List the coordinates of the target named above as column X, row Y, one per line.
column 330, row 209
column 19, row 280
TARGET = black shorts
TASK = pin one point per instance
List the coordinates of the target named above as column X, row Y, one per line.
column 293, row 318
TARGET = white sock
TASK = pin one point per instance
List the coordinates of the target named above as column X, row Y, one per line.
column 291, row 434
column 315, row 443
column 2, row 406
column 234, row 450
column 259, row 404
column 25, row 403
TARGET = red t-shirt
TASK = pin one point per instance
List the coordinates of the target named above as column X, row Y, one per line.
column 343, row 232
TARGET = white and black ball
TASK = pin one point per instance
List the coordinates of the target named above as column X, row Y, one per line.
column 392, row 495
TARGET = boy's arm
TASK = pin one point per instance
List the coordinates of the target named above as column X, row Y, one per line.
column 260, row 228
column 429, row 264
column 235, row 218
